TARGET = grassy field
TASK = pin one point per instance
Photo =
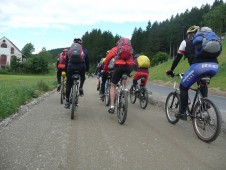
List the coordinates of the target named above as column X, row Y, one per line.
column 219, row 81
column 18, row 89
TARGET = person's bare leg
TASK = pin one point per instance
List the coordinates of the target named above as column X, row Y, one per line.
column 112, row 98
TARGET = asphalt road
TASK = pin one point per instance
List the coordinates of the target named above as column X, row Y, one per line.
column 45, row 138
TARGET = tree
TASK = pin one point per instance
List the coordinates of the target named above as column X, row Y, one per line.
column 28, row 49
column 16, row 64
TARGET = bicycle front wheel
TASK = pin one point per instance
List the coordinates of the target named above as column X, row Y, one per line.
column 143, row 97
column 132, row 94
column 172, row 107
column 74, row 100
column 206, row 120
column 107, row 94
column 122, row 107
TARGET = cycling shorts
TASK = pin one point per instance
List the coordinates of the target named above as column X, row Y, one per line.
column 118, row 71
column 197, row 71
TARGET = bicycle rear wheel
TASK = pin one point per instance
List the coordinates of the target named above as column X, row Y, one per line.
column 132, row 94
column 172, row 107
column 122, row 107
column 143, row 97
column 107, row 94
column 74, row 100
column 206, row 120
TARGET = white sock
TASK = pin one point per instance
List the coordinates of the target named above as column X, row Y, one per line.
column 112, row 106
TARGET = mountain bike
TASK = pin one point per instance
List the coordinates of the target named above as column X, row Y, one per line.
column 121, row 100
column 107, row 90
column 74, row 96
column 63, row 87
column 205, row 115
column 139, row 91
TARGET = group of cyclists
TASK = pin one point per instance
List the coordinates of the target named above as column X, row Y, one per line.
column 117, row 66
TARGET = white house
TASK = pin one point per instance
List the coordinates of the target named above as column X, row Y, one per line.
column 8, row 51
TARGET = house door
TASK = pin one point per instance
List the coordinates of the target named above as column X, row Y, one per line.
column 3, row 59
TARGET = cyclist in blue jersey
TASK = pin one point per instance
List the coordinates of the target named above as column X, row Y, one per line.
column 198, row 68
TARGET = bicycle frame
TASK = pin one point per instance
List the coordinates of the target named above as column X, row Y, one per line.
column 198, row 94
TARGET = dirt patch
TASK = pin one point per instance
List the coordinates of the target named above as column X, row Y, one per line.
column 212, row 91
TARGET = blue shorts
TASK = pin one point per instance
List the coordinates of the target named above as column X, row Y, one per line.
column 197, row 70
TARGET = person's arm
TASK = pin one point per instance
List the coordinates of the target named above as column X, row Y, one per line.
column 87, row 60
column 109, row 56
column 176, row 61
column 57, row 61
column 180, row 54
column 66, row 63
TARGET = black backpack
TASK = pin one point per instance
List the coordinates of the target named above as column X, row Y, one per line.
column 76, row 54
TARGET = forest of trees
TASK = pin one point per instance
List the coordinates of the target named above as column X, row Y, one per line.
column 160, row 38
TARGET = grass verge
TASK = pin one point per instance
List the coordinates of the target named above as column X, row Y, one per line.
column 16, row 90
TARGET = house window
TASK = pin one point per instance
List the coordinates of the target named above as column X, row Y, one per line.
column 3, row 59
column 3, row 45
column 12, row 50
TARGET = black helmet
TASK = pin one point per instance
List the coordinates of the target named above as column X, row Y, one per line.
column 78, row 40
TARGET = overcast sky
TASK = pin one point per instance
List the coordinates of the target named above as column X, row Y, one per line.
column 55, row 23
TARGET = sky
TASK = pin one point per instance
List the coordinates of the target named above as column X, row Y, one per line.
column 55, row 23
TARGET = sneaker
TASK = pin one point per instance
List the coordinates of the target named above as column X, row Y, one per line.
column 67, row 105
column 182, row 116
column 81, row 92
column 58, row 87
column 111, row 110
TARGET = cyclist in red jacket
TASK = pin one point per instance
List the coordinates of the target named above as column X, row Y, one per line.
column 61, row 60
column 120, row 66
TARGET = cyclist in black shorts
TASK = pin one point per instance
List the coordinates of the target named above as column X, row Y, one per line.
column 120, row 66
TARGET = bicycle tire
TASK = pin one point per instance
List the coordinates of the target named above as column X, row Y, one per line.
column 203, row 122
column 107, row 95
column 172, row 107
column 132, row 94
column 143, row 97
column 74, row 98
column 62, row 93
column 122, row 107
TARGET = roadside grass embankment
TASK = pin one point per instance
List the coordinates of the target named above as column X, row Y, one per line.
column 17, row 90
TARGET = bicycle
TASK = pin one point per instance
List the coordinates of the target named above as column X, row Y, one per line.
column 107, row 90
column 141, row 92
column 74, row 96
column 121, row 101
column 63, row 87
column 205, row 115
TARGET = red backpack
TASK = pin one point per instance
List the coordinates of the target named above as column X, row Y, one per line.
column 124, row 49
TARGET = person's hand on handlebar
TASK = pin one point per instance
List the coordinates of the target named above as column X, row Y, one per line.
column 169, row 73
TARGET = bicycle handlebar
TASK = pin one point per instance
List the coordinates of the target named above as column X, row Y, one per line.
column 177, row 75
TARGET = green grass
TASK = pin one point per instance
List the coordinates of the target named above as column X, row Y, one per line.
column 18, row 89
column 218, row 81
